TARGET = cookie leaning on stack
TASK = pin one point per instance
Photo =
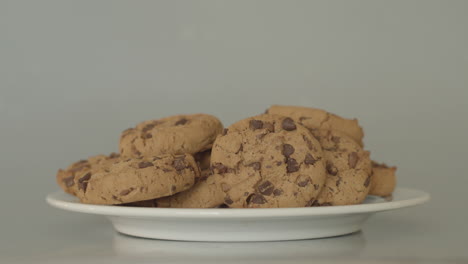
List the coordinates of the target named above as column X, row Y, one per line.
column 288, row 157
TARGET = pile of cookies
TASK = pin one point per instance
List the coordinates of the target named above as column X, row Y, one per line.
column 287, row 157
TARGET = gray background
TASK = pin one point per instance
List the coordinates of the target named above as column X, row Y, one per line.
column 73, row 74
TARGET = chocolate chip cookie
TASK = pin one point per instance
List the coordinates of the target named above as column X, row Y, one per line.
column 137, row 179
column 383, row 180
column 268, row 161
column 178, row 134
column 314, row 118
column 66, row 178
column 348, row 170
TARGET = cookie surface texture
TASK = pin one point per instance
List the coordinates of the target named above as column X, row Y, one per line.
column 138, row 179
column 178, row 134
column 268, row 161
column 348, row 169
column 314, row 118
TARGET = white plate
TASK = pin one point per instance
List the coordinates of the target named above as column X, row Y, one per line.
column 221, row 224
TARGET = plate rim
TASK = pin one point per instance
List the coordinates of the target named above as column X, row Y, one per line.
column 418, row 197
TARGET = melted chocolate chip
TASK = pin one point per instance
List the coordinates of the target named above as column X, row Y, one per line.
column 308, row 142
column 292, row 165
column 288, row 150
column 352, row 160
column 83, row 181
column 148, row 127
column 309, row 159
column 145, row 164
column 266, row 188
column 255, row 124
column 126, row 192
column 256, row 199
column 227, row 200
column 331, row 169
column 220, row 168
column 181, row 121
column 367, row 182
column 277, row 192
column 288, row 124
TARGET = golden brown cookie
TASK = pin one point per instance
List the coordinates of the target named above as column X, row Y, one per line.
column 314, row 118
column 138, row 179
column 348, row 170
column 178, row 134
column 204, row 194
column 383, row 180
column 66, row 178
column 268, row 161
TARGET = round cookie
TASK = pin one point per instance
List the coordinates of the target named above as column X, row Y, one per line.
column 348, row 170
column 138, row 179
column 66, row 178
column 178, row 134
column 383, row 180
column 314, row 118
column 268, row 161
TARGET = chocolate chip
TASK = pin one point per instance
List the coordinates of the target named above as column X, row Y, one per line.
column 255, row 165
column 225, row 187
column 114, row 155
column 225, row 131
column 256, row 199
column 179, row 164
column 182, row 121
column 270, row 127
column 335, row 139
column 277, row 192
column 83, row 181
column 223, row 206
column 148, row 127
column 288, row 150
column 266, row 188
column 303, row 183
column 220, row 168
column 173, row 188
column 308, row 142
column 256, row 124
column 227, row 200
column 69, row 181
column 145, row 164
column 331, row 169
column 126, row 192
column 292, row 165
column 288, row 124
column 367, row 182
column 309, row 159
column 148, row 135
column 352, row 160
